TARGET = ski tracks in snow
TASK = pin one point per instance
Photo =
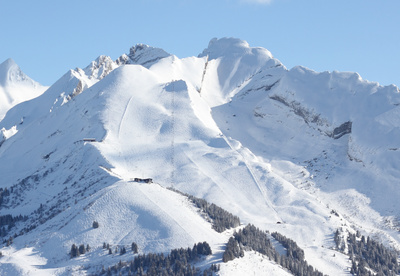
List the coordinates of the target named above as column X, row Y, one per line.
column 255, row 179
column 123, row 116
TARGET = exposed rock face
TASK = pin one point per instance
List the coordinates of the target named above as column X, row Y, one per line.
column 308, row 116
column 143, row 55
column 311, row 118
column 341, row 130
column 100, row 67
column 2, row 137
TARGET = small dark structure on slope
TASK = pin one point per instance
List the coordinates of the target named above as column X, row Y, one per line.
column 89, row 139
column 143, row 180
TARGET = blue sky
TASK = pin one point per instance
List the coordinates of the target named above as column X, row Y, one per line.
column 47, row 38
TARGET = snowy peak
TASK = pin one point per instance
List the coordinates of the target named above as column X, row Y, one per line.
column 228, row 47
column 7, row 69
column 15, row 86
column 81, row 79
column 10, row 73
column 100, row 67
column 74, row 82
column 234, row 63
column 144, row 55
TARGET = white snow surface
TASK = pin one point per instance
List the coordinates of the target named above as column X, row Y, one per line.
column 232, row 126
column 16, row 87
column 252, row 263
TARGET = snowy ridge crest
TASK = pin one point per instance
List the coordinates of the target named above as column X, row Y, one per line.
column 143, row 54
column 234, row 63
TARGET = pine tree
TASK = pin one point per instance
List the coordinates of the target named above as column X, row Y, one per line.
column 95, row 224
column 134, row 248
column 337, row 238
column 74, row 251
column 82, row 249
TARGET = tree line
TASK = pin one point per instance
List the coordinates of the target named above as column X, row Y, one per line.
column 368, row 257
column 7, row 222
column 292, row 249
column 252, row 238
column 4, row 193
column 177, row 262
column 220, row 219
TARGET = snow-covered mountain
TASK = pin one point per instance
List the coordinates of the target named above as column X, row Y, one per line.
column 15, row 86
column 294, row 151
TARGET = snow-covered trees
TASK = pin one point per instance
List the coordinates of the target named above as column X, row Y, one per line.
column 233, row 250
column 178, row 262
column 4, row 194
column 82, row 249
column 292, row 249
column 252, row 238
column 134, row 248
column 77, row 251
column 74, row 251
column 368, row 255
column 7, row 222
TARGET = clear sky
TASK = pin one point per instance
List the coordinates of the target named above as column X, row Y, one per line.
column 46, row 38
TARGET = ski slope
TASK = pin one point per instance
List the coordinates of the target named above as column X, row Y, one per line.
column 232, row 126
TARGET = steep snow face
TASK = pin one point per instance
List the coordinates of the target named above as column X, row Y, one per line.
column 15, row 86
column 231, row 63
column 341, row 128
column 328, row 102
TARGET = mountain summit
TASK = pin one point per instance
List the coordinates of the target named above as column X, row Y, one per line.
column 11, row 73
column 138, row 153
column 15, row 86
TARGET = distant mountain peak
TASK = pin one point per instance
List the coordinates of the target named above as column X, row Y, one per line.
column 15, row 86
column 8, row 63
column 11, row 73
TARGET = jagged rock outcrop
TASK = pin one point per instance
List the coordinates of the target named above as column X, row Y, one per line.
column 142, row 54
column 341, row 130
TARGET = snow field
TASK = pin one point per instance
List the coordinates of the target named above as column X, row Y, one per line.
column 239, row 143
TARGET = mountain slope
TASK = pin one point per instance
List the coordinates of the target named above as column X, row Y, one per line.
column 15, row 86
column 282, row 149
